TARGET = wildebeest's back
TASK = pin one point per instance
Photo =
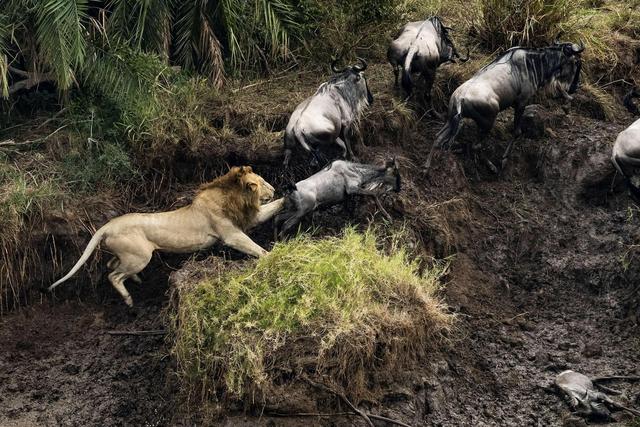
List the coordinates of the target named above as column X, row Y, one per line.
column 493, row 85
column 328, row 185
column 628, row 141
column 315, row 120
column 399, row 47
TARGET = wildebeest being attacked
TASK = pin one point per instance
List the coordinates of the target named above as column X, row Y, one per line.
column 333, row 185
column 223, row 210
column 421, row 47
column 511, row 80
column 330, row 115
column 583, row 396
column 626, row 150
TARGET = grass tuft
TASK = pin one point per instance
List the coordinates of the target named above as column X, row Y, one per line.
column 24, row 196
column 338, row 301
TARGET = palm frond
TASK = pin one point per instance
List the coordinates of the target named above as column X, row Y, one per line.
column 119, row 71
column 277, row 21
column 60, row 33
column 146, row 24
column 230, row 14
column 195, row 43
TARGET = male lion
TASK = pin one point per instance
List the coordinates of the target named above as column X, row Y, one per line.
column 222, row 210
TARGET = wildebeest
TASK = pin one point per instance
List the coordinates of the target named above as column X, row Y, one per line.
column 331, row 114
column 626, row 151
column 583, row 396
column 334, row 184
column 421, row 47
column 511, row 80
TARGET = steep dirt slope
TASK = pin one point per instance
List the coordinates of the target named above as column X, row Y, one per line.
column 537, row 281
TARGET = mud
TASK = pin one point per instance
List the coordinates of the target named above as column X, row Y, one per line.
column 538, row 281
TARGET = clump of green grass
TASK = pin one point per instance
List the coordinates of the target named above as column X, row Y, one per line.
column 339, row 301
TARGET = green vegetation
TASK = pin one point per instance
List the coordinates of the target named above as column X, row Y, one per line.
column 128, row 87
column 358, row 306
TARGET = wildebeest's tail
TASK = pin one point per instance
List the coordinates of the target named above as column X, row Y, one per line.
column 407, row 83
column 633, row 189
column 291, row 139
column 91, row 246
column 448, row 133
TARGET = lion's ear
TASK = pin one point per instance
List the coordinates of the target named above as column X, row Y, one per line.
column 251, row 186
column 246, row 169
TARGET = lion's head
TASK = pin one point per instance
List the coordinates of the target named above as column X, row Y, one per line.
column 244, row 191
column 254, row 184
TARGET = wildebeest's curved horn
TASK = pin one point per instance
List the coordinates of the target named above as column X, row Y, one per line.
column 334, row 68
column 628, row 101
column 360, row 67
column 447, row 28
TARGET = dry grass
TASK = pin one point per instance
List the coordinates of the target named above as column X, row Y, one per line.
column 507, row 23
column 336, row 307
column 24, row 197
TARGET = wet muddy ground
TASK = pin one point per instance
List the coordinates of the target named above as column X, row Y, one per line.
column 538, row 282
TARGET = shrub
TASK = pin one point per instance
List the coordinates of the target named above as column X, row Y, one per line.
column 361, row 309
column 507, row 23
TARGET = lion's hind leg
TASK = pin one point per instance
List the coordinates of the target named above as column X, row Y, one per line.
column 113, row 263
column 117, row 280
column 133, row 257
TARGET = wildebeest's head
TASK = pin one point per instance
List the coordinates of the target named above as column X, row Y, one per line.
column 628, row 100
column 448, row 52
column 356, row 88
column 566, row 63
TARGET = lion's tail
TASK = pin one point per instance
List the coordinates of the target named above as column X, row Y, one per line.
column 91, row 246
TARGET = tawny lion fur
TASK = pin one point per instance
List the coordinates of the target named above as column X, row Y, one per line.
column 222, row 210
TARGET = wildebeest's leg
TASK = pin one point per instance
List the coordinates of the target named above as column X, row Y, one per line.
column 517, row 131
column 347, row 135
column 396, row 73
column 287, row 157
column 429, row 76
column 517, row 119
column 291, row 221
column 363, row 192
column 277, row 220
column 343, row 145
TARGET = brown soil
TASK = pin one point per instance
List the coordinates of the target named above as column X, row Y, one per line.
column 538, row 284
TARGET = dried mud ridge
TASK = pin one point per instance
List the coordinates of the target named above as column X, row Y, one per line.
column 538, row 283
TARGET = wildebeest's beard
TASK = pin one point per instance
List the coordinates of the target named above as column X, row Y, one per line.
column 369, row 95
column 576, row 77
